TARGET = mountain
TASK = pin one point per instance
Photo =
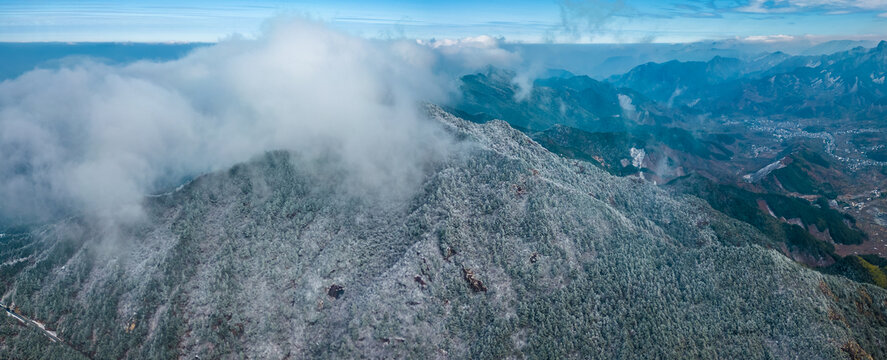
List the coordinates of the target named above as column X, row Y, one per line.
column 834, row 46
column 594, row 121
column 691, row 80
column 617, row 129
column 777, row 199
column 803, row 171
column 842, row 85
column 807, row 127
column 576, row 101
column 807, row 232
column 660, row 153
column 505, row 250
column 837, row 86
column 601, row 61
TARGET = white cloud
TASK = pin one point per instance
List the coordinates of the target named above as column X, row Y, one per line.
column 471, row 52
column 769, row 38
column 831, row 6
column 97, row 138
column 483, row 42
column 628, row 109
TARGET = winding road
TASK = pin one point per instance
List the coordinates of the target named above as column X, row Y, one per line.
column 31, row 322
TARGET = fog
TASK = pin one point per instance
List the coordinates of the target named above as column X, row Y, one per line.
column 96, row 138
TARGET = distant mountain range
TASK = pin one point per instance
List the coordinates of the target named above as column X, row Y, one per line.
column 836, row 86
column 601, row 61
column 596, row 60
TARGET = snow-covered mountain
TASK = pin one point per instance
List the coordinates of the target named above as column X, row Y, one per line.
column 505, row 250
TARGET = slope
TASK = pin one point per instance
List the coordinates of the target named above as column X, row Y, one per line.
column 504, row 250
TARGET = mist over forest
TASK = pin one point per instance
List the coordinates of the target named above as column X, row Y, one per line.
column 581, row 179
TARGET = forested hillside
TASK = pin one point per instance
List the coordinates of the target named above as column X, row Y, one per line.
column 505, row 249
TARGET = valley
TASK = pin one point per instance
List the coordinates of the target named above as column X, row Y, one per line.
column 824, row 155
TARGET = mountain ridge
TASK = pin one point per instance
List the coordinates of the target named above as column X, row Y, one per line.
column 505, row 249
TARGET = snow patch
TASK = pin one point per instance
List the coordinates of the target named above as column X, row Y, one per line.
column 637, row 157
column 766, row 170
column 14, row 261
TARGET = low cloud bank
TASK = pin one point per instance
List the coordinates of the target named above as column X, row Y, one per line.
column 96, row 138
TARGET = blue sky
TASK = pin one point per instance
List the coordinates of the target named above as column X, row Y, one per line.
column 602, row 21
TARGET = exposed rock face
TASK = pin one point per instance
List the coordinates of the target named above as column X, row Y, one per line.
column 476, row 285
column 240, row 263
column 335, row 291
column 855, row 352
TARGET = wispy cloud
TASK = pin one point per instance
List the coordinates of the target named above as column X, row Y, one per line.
column 526, row 21
column 587, row 17
column 703, row 9
column 769, row 38
column 833, row 7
